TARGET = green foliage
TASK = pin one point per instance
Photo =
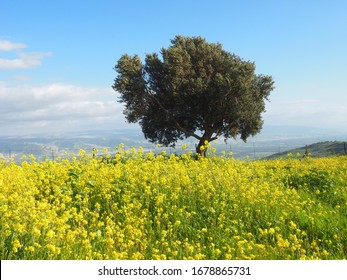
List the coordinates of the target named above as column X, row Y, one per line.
column 195, row 86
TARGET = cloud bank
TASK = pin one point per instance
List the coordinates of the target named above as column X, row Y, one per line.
column 58, row 108
column 318, row 113
column 62, row 108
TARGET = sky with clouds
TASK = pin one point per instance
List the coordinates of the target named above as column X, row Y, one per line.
column 57, row 57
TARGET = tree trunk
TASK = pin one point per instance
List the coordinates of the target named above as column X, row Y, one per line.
column 200, row 149
column 200, row 152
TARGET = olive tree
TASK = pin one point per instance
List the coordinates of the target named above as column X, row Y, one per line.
column 192, row 89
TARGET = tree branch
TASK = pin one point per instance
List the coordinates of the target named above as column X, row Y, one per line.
column 219, row 132
column 178, row 126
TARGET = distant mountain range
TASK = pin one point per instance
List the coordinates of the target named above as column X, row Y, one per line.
column 320, row 149
column 273, row 140
column 60, row 145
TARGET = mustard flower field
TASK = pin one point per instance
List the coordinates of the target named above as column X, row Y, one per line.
column 138, row 205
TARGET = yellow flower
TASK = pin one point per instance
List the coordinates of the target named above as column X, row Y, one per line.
column 30, row 248
column 16, row 245
column 141, row 205
column 50, row 234
column 292, row 225
column 177, row 223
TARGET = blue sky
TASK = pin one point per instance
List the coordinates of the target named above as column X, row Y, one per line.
column 57, row 57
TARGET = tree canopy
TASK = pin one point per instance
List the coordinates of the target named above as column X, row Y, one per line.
column 192, row 89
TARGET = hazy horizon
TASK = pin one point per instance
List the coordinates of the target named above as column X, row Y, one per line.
column 57, row 59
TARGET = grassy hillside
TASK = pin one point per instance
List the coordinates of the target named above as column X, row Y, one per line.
column 321, row 149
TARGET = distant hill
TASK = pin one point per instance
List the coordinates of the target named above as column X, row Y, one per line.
column 320, row 149
column 273, row 139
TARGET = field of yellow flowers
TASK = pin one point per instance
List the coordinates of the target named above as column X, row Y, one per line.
column 137, row 205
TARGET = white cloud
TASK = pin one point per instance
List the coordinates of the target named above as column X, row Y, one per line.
column 9, row 46
column 56, row 108
column 20, row 78
column 24, row 60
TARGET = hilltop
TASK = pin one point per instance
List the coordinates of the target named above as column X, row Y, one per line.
column 320, row 149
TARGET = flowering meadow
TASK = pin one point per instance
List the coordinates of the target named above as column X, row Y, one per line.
column 138, row 205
